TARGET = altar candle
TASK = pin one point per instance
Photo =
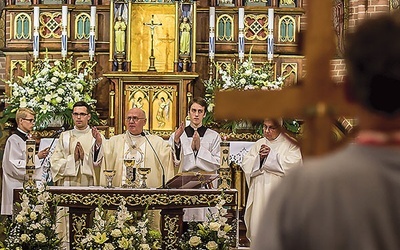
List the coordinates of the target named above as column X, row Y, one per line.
column 241, row 34
column 30, row 155
column 211, row 40
column 212, row 17
column 92, row 16
column 35, row 32
column 241, row 18
column 64, row 16
column 270, row 19
column 36, row 16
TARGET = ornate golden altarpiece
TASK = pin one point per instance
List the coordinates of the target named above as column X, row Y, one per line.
column 82, row 201
column 153, row 60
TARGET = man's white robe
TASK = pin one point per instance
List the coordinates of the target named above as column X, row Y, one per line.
column 207, row 159
column 114, row 151
column 261, row 179
column 14, row 162
column 68, row 172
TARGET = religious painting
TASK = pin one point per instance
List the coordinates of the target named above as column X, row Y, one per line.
column 152, row 32
column 162, row 110
column 340, row 24
column 158, row 101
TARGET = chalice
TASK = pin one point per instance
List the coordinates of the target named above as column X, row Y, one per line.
column 109, row 177
column 144, row 172
column 130, row 172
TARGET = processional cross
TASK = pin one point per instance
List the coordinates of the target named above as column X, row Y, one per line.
column 152, row 25
column 318, row 101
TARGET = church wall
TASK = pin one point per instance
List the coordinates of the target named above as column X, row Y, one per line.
column 358, row 11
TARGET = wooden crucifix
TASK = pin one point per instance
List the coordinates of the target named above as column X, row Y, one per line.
column 152, row 25
column 318, row 101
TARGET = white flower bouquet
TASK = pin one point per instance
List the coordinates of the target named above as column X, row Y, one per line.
column 34, row 227
column 120, row 230
column 51, row 91
column 213, row 234
column 246, row 76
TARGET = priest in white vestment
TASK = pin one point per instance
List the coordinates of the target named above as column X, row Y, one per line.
column 269, row 159
column 75, row 161
column 134, row 140
column 14, row 159
column 196, row 149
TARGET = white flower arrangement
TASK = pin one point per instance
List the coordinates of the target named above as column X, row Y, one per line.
column 248, row 77
column 34, row 227
column 51, row 91
column 120, row 230
column 213, row 234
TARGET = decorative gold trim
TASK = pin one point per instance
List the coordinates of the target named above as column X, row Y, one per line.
column 78, row 227
column 85, row 18
column 171, row 226
column 91, row 199
column 29, row 33
column 241, row 136
column 225, row 37
column 13, row 66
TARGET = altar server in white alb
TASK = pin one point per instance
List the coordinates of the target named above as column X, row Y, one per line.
column 14, row 159
column 269, row 159
column 196, row 148
column 75, row 161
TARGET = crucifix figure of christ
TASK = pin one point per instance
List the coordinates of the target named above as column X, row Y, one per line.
column 152, row 25
column 318, row 101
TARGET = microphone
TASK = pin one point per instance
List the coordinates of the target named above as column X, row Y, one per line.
column 54, row 136
column 155, row 153
column 62, row 129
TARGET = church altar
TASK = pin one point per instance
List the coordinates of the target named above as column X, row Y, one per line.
column 83, row 200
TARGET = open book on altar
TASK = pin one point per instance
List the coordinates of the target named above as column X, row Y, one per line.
column 189, row 180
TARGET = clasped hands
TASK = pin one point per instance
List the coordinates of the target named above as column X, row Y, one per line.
column 79, row 154
column 196, row 137
column 264, row 151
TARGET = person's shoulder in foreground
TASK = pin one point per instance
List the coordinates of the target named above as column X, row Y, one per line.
column 350, row 199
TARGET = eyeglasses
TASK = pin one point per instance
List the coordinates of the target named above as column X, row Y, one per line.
column 79, row 114
column 29, row 120
column 134, row 118
column 269, row 127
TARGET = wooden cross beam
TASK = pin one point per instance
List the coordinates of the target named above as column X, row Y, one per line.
column 318, row 101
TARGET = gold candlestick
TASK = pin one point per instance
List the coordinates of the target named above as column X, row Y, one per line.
column 224, row 170
column 30, row 164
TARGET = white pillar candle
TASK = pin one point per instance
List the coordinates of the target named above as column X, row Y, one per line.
column 35, row 44
column 64, row 16
column 36, row 16
column 211, row 47
column 241, row 18
column 212, row 17
column 92, row 16
column 211, row 40
column 270, row 19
